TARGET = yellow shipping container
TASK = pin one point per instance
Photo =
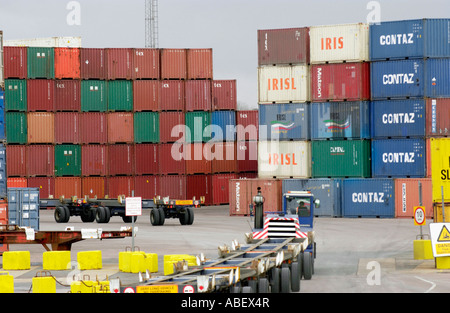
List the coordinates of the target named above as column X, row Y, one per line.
column 440, row 167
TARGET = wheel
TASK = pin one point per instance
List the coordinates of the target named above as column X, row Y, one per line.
column 295, row 276
column 307, row 265
column 128, row 219
column 263, row 285
column 103, row 215
column 285, row 280
column 247, row 289
column 183, row 216
column 60, row 214
column 87, row 215
column 154, row 217
column 275, row 280
column 190, row 220
column 235, row 289
column 66, row 209
column 162, row 216
column 253, row 284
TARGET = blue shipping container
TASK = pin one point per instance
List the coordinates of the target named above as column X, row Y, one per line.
column 340, row 120
column 437, row 78
column 284, row 121
column 423, row 38
column 399, row 158
column 2, row 116
column 398, row 118
column 23, row 207
column 369, row 197
column 3, row 174
column 328, row 191
column 223, row 125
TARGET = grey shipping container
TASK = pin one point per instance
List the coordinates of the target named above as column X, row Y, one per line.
column 23, row 207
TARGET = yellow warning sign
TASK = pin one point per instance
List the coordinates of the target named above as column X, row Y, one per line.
column 444, row 236
column 157, row 289
column 440, row 239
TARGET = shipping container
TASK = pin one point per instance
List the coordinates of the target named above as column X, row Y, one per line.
column 437, row 121
column 119, row 186
column 198, row 95
column 147, row 159
column 67, row 95
column 15, row 62
column 288, row 121
column 407, row 196
column 2, row 117
column 399, row 158
column 223, row 157
column 120, row 95
column 339, row 43
column 246, row 156
column 198, row 127
column 67, row 160
column 146, row 127
column 2, row 75
column 120, row 159
column 67, row 187
column 93, row 127
column 370, row 197
column 340, row 158
column 67, row 63
column 198, row 158
column 146, row 63
column 246, row 175
column 120, row 127
column 327, row 191
column 398, row 118
column 119, row 63
column 242, row 192
column 440, row 168
column 145, row 95
column 46, row 186
column 340, row 120
column 283, row 46
column 147, row 186
column 172, row 95
column 40, row 95
column 221, row 187
column 16, row 127
column 172, row 159
column 41, row 62
column 283, row 84
column 67, row 128
column 420, row 38
column 173, row 63
column 3, row 221
column 3, row 172
column 171, row 126
column 23, row 207
column 224, row 95
column 284, row 159
column 94, row 160
column 49, row 42
column 223, row 126
column 94, row 96
column 17, row 182
column 247, row 125
column 40, row 160
column 16, row 158
column 340, row 82
column 437, row 78
column 16, row 95
column 199, row 186
column 41, row 127
column 173, row 186
column 93, row 63
column 199, row 63
column 93, row 187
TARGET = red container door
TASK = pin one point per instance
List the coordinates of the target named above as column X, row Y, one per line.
column 199, row 186
column 94, row 160
column 437, row 117
column 93, row 63
column 67, row 187
column 220, row 188
column 146, row 186
column 223, row 157
column 224, row 95
column 41, row 95
column 172, row 95
column 15, row 62
column 146, row 63
column 40, row 160
column 173, row 186
column 198, row 158
column 16, row 160
column 198, row 95
column 67, row 128
column 145, row 95
column 67, row 63
column 247, row 123
column 119, row 63
column 171, row 122
column 93, row 187
column 120, row 160
column 46, row 186
column 119, row 186
column 146, row 159
column 93, row 128
column 173, row 64
column 247, row 156
column 67, row 95
column 199, row 63
column 120, row 127
column 172, row 159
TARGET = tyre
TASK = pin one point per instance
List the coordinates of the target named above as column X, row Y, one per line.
column 295, row 276
column 253, row 284
column 275, row 280
column 307, row 265
column 183, row 216
column 247, row 289
column 263, row 285
column 103, row 215
column 162, row 216
column 154, row 217
column 60, row 214
column 128, row 219
column 87, row 215
column 285, row 280
column 190, row 220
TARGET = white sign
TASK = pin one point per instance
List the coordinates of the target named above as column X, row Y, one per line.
column 133, row 206
column 440, row 239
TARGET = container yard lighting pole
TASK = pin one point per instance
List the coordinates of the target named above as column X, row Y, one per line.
column 151, row 24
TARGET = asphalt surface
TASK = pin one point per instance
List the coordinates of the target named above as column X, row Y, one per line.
column 353, row 255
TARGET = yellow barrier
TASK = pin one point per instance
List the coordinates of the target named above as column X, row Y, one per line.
column 138, row 261
column 44, row 285
column 422, row 249
column 443, row 262
column 6, row 283
column 90, row 260
column 16, row 260
column 56, row 260
column 170, row 259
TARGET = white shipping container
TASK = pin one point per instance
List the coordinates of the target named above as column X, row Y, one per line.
column 339, row 43
column 283, row 84
column 47, row 42
column 284, row 159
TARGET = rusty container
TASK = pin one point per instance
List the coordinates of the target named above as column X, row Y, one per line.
column 93, row 187
column 146, row 186
column 40, row 160
column 93, row 127
column 41, row 127
column 120, row 159
column 146, row 63
column 220, row 188
column 15, row 62
column 46, row 186
column 93, row 63
column 67, row 187
column 247, row 125
column 40, row 95
column 67, row 63
column 223, row 157
column 119, row 63
column 119, row 186
column 199, row 186
column 67, row 127
column 145, row 95
column 146, row 159
column 173, row 63
column 173, row 186
column 67, row 95
column 198, row 95
column 16, row 160
column 171, row 126
column 172, row 95
column 198, row 158
column 199, row 63
column 94, row 160
column 224, row 95
column 172, row 158
column 120, row 127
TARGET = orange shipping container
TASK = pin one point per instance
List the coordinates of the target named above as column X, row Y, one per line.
column 16, row 182
column 407, row 196
column 120, row 127
column 41, row 127
column 173, row 64
column 67, row 63
column 145, row 95
column 93, row 187
column 199, row 63
column 67, row 187
column 198, row 158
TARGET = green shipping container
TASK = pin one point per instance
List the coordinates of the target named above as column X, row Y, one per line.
column 93, row 96
column 146, row 127
column 341, row 158
column 197, row 126
column 120, row 95
column 16, row 95
column 67, row 160
column 41, row 62
column 16, row 127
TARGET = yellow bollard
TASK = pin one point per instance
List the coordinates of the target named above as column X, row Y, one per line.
column 151, row 260
column 16, row 260
column 90, row 260
column 422, row 249
column 6, row 283
column 44, row 285
column 443, row 262
column 170, row 259
column 56, row 260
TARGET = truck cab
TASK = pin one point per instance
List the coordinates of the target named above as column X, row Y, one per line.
column 300, row 204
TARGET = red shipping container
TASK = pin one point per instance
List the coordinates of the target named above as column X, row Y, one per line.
column 145, row 95
column 93, row 128
column 146, row 63
column 146, row 186
column 173, row 63
column 119, row 63
column 198, row 95
column 119, row 186
column 67, row 128
column 40, row 160
column 223, row 156
column 199, row 63
column 16, row 160
column 146, row 159
column 120, row 159
column 93, row 187
column 340, row 82
column 173, row 186
column 41, row 95
column 172, row 95
column 407, row 196
column 93, row 63
column 120, row 127
column 46, row 186
column 16, row 182
column 246, row 175
column 220, row 188
column 247, row 156
column 94, row 160
column 198, row 158
column 172, row 159
column 224, row 95
column 67, row 95
column 15, row 62
column 67, row 187
column 199, row 186
column 171, row 122
column 247, row 123
column 67, row 63
column 437, row 117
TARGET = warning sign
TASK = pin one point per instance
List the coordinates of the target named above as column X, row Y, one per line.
column 440, row 239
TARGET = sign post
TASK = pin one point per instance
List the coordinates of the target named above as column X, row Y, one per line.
column 133, row 207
